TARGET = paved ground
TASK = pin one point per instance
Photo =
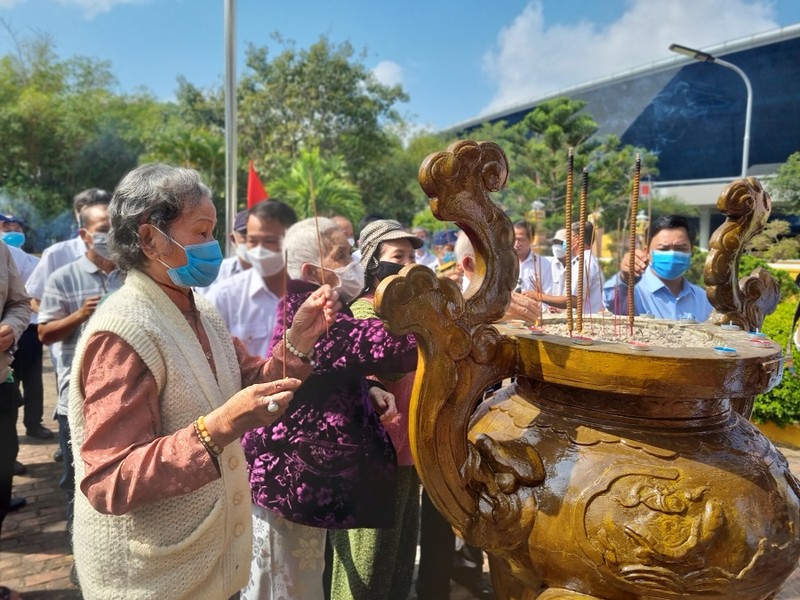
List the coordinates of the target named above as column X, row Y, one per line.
column 34, row 554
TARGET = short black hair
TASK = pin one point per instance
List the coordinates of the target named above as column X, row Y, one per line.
column 369, row 219
column 672, row 222
column 526, row 226
column 274, row 210
column 588, row 231
column 90, row 197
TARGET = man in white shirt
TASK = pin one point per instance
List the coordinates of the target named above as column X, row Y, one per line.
column 238, row 262
column 423, row 255
column 558, row 263
column 248, row 301
column 534, row 270
column 522, row 306
column 592, row 275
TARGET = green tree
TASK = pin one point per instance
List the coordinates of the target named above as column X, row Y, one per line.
column 785, row 188
column 321, row 97
column 317, row 186
column 537, row 149
column 63, row 126
column 774, row 242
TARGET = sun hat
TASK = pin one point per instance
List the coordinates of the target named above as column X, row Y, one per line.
column 379, row 231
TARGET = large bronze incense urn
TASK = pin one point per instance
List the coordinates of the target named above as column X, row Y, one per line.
column 604, row 471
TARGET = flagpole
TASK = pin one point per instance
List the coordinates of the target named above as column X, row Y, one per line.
column 230, row 122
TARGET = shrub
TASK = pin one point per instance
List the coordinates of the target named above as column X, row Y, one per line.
column 781, row 405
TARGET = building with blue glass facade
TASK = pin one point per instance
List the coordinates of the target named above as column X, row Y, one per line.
column 692, row 115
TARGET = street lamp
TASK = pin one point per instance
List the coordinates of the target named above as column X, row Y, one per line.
column 706, row 57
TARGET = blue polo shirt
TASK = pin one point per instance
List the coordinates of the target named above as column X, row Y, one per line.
column 652, row 296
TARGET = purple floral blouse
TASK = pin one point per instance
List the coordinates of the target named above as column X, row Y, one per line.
column 329, row 462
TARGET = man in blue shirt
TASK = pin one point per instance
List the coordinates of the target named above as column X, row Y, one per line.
column 661, row 288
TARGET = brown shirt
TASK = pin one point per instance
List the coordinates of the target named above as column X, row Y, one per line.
column 129, row 462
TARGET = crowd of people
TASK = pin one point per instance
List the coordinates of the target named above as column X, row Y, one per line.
column 238, row 427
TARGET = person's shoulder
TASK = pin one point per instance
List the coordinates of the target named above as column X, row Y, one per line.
column 68, row 272
column 229, row 286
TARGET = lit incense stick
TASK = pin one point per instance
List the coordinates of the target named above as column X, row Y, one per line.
column 632, row 249
column 568, row 229
column 582, row 244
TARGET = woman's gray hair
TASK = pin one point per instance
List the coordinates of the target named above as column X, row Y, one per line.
column 153, row 193
column 301, row 244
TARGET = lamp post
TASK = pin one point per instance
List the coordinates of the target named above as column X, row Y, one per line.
column 706, row 57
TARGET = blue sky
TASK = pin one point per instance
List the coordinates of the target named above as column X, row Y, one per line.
column 457, row 59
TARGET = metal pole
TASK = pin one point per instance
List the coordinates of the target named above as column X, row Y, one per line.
column 748, row 110
column 230, row 122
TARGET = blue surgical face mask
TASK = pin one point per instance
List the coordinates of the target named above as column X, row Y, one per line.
column 670, row 264
column 202, row 263
column 14, row 238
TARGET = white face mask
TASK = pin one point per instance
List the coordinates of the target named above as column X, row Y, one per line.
column 559, row 251
column 241, row 253
column 351, row 281
column 265, row 262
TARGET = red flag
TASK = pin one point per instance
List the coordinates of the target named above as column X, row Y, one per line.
column 255, row 189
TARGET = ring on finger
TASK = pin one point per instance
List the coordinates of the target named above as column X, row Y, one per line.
column 273, row 406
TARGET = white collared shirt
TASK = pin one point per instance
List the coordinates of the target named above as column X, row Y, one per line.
column 427, row 258
column 592, row 283
column 248, row 308
column 532, row 268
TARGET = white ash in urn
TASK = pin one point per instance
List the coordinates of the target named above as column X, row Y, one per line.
column 652, row 332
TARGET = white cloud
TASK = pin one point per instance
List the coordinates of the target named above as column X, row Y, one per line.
column 10, row 3
column 532, row 59
column 92, row 8
column 388, row 73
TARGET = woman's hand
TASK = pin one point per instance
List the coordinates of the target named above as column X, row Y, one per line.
column 314, row 317
column 249, row 409
column 383, row 402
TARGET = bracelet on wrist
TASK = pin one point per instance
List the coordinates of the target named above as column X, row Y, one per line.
column 205, row 437
column 304, row 356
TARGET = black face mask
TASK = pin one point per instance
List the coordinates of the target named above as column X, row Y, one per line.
column 386, row 268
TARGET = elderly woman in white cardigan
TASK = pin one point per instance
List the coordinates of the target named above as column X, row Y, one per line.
column 160, row 396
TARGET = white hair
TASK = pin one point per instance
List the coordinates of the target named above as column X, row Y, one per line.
column 302, row 246
column 463, row 247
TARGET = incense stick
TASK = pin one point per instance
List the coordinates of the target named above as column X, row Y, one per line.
column 319, row 237
column 568, row 229
column 582, row 245
column 285, row 296
column 537, row 263
column 632, row 249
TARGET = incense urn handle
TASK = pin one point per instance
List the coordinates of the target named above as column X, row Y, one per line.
column 747, row 301
column 602, row 473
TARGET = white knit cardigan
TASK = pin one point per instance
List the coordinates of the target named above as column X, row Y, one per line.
column 197, row 545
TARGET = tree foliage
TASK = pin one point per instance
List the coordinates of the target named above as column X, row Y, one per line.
column 316, row 186
column 63, row 126
column 781, row 405
column 775, row 242
column 537, row 149
column 785, row 188
column 323, row 98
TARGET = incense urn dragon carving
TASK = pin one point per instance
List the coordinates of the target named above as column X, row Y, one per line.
column 602, row 472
